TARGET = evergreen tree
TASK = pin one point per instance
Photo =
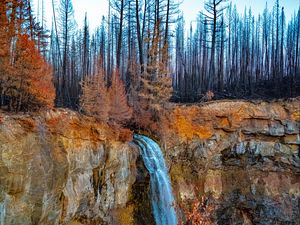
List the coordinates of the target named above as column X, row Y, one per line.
column 94, row 100
column 119, row 108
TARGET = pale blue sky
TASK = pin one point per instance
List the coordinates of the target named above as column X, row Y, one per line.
column 96, row 8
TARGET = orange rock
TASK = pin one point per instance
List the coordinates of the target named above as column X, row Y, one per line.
column 295, row 116
column 292, row 139
column 186, row 128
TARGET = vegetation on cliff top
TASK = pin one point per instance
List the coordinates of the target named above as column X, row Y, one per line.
column 129, row 65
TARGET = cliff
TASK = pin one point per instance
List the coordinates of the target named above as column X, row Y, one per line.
column 243, row 156
column 59, row 167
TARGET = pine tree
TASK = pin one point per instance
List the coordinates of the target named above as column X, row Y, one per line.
column 119, row 109
column 25, row 76
column 67, row 28
column 4, row 51
column 33, row 77
column 94, row 99
column 3, row 29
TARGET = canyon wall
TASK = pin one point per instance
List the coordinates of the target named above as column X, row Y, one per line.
column 243, row 156
column 62, row 168
column 59, row 167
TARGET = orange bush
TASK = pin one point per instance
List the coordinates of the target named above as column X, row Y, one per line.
column 200, row 214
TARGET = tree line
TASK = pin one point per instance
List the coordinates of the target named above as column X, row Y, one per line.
column 133, row 39
column 142, row 54
column 237, row 55
column 225, row 53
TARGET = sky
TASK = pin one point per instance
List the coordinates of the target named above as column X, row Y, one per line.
column 97, row 8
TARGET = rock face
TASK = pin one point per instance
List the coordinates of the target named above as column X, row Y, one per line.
column 58, row 167
column 244, row 157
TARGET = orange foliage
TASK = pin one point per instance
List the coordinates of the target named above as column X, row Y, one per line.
column 200, row 213
column 111, row 104
column 119, row 108
column 33, row 76
column 3, row 28
column 209, row 95
column 5, row 67
column 94, row 100
column 26, row 79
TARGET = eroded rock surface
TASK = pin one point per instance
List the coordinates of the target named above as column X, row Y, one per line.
column 60, row 168
column 244, row 156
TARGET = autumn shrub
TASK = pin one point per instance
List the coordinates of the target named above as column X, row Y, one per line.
column 200, row 213
column 209, row 95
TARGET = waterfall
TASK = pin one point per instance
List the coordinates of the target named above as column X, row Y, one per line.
column 162, row 199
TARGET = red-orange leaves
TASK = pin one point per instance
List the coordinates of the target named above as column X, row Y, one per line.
column 25, row 78
column 200, row 213
column 106, row 104
column 119, row 109
column 94, row 99
column 33, row 77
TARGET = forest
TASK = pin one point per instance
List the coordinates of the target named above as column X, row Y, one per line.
column 144, row 53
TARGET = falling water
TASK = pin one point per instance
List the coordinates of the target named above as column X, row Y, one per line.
column 162, row 199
